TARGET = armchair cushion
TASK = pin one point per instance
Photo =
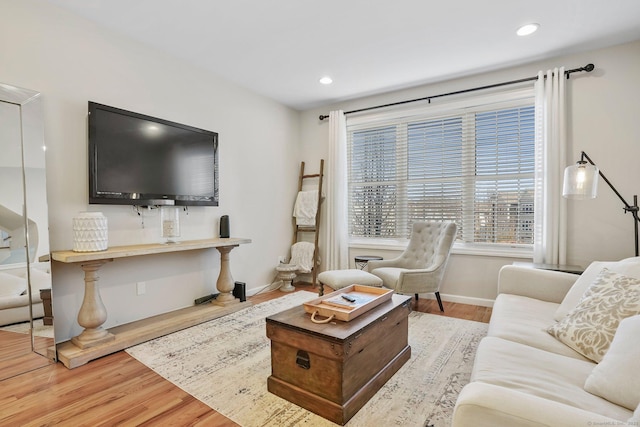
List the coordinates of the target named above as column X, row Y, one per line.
column 389, row 275
column 412, row 280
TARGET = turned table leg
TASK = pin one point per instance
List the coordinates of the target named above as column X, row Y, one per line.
column 225, row 282
column 92, row 313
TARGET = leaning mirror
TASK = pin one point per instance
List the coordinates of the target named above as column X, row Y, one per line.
column 26, row 320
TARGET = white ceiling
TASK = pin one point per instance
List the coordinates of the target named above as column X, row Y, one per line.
column 280, row 48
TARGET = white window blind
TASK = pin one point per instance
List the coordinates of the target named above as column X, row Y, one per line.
column 472, row 164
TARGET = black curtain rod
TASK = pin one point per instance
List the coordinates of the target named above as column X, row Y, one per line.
column 588, row 68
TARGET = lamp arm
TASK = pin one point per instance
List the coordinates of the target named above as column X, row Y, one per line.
column 627, row 207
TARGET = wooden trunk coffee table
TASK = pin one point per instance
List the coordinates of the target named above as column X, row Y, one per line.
column 333, row 369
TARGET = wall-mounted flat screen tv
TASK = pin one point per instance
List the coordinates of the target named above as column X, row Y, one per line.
column 136, row 159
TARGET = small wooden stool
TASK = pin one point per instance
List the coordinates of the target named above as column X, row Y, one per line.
column 338, row 279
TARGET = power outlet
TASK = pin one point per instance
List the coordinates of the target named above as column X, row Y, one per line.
column 282, row 259
column 141, row 288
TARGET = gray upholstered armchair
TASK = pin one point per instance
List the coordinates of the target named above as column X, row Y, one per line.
column 419, row 269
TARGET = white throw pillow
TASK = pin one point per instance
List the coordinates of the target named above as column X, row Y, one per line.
column 629, row 267
column 11, row 286
column 616, row 377
column 589, row 328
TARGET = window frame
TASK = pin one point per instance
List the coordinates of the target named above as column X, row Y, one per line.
column 458, row 105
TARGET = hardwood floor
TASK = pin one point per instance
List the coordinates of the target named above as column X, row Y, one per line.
column 119, row 390
column 16, row 355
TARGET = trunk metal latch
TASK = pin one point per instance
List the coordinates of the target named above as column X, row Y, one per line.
column 302, row 359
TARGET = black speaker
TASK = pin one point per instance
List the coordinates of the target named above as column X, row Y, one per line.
column 240, row 291
column 224, row 226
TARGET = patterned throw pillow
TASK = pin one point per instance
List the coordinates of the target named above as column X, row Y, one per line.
column 589, row 328
column 629, row 267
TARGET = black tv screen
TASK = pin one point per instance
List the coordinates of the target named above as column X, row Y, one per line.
column 136, row 159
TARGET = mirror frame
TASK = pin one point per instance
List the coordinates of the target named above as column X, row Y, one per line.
column 30, row 110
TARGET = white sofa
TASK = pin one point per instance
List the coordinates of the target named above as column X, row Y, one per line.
column 524, row 376
column 14, row 300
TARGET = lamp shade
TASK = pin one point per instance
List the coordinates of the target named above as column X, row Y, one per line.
column 580, row 181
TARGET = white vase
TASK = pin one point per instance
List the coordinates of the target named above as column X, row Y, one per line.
column 90, row 233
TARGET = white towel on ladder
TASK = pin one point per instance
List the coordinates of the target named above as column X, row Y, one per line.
column 302, row 256
column 305, row 208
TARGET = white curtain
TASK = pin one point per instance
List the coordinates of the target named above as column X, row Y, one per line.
column 337, row 250
column 551, row 159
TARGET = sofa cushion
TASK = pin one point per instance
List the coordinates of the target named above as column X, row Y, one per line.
column 628, row 267
column 39, row 280
column 540, row 373
column 11, row 286
column 525, row 320
column 635, row 419
column 589, row 328
column 615, row 378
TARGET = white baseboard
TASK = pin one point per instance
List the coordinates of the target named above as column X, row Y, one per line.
column 269, row 287
column 460, row 299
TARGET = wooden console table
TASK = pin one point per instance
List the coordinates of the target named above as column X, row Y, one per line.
column 95, row 341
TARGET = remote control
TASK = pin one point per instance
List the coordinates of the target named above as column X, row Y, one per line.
column 349, row 298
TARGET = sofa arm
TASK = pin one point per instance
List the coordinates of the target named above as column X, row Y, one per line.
column 488, row 405
column 545, row 285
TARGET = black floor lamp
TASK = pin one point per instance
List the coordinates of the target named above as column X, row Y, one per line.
column 581, row 182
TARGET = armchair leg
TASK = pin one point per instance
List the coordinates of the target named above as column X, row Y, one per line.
column 439, row 301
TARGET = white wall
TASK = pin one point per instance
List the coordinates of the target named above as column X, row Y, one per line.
column 71, row 61
column 604, row 121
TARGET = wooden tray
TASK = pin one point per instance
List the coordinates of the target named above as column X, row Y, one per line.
column 334, row 305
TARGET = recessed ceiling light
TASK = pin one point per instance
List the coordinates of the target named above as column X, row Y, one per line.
column 326, row 80
column 527, row 29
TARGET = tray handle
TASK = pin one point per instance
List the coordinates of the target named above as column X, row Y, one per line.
column 327, row 320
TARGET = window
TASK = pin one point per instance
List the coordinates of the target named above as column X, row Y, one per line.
column 471, row 162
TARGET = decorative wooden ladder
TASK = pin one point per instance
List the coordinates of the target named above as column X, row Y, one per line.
column 311, row 229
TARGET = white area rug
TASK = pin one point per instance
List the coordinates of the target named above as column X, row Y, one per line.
column 225, row 364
